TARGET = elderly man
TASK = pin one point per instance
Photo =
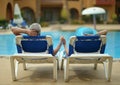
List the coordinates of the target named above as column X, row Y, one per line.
column 34, row 30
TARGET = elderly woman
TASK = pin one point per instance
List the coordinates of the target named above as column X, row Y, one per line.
column 85, row 33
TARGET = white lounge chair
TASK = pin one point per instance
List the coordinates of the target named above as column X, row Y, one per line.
column 86, row 50
column 33, row 50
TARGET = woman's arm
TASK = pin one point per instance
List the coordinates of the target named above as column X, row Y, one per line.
column 64, row 44
column 103, row 32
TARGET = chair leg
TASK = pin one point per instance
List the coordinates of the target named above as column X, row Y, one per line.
column 66, row 69
column 105, row 69
column 55, row 69
column 58, row 64
column 62, row 61
column 95, row 66
column 24, row 66
column 13, row 68
column 110, row 68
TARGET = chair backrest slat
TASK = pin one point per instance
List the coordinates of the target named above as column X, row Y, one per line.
column 86, row 44
column 35, row 44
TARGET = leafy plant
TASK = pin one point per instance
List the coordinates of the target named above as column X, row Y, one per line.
column 3, row 23
column 44, row 24
column 64, row 16
column 114, row 18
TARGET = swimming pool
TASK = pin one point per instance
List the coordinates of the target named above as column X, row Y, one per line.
column 113, row 44
column 7, row 44
column 8, row 47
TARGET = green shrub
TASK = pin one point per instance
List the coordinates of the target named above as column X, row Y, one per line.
column 87, row 18
column 62, row 20
column 77, row 22
column 3, row 23
column 44, row 24
column 114, row 19
column 64, row 16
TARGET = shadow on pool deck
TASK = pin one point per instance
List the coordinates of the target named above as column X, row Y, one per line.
column 41, row 74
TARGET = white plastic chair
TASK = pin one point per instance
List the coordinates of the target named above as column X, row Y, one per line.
column 33, row 50
column 82, row 52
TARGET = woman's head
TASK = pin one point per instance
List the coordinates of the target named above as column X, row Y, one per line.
column 83, row 31
column 35, row 27
column 88, row 32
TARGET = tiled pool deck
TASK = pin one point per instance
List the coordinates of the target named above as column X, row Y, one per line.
column 42, row 74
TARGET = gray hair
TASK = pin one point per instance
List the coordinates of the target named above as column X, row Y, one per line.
column 36, row 27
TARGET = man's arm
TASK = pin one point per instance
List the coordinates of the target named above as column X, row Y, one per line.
column 18, row 31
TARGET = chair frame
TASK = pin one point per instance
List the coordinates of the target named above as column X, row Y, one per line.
column 32, row 58
column 87, row 58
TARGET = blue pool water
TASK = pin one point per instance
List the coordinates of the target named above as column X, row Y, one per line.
column 7, row 44
column 113, row 44
column 8, row 47
column 56, row 37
